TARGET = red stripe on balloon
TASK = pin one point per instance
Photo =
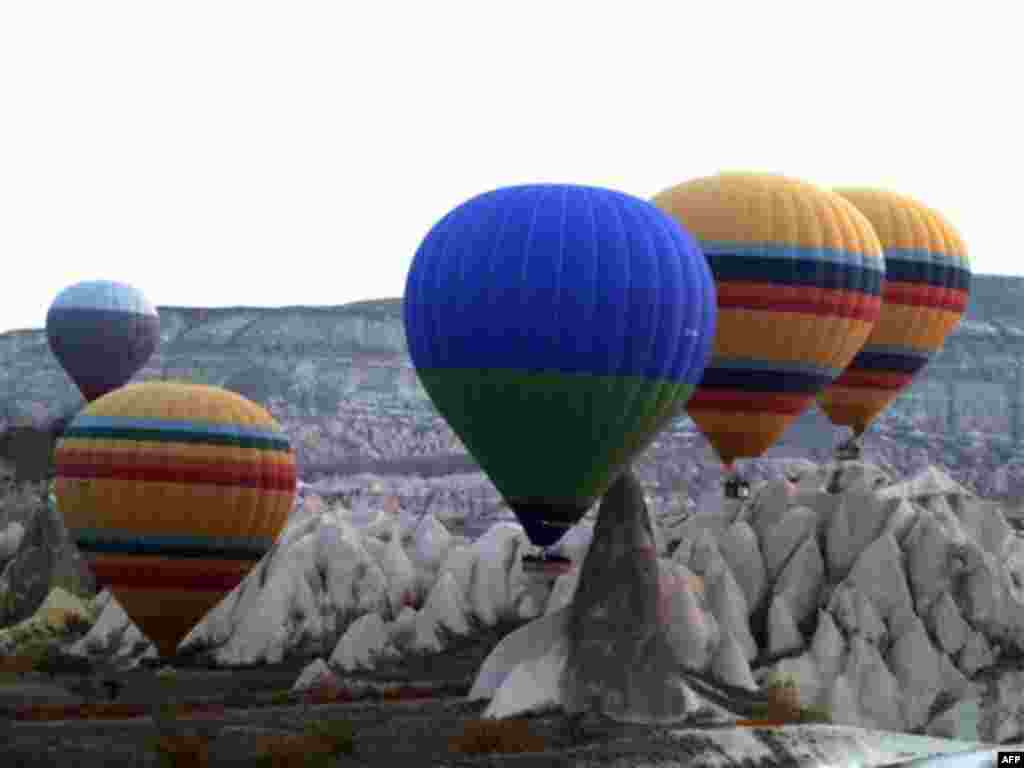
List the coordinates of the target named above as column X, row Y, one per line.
column 723, row 400
column 931, row 296
column 99, row 466
column 811, row 301
column 854, row 378
column 182, row 575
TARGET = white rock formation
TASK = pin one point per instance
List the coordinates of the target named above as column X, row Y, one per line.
column 906, row 590
column 576, row 541
column 783, row 539
column 112, row 624
column 783, row 635
column 916, row 665
column 692, row 632
column 856, row 523
column 729, row 607
column 802, row 578
column 563, row 590
column 739, row 548
column 947, row 624
column 10, row 540
column 314, row 675
column 403, row 587
column 528, row 645
column 929, row 561
column 842, row 703
column 730, row 663
column 497, row 552
column 445, row 610
column 427, row 550
column 363, row 643
column 828, row 648
column 878, row 574
column 856, row 614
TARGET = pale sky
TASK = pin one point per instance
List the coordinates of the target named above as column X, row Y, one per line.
column 218, row 153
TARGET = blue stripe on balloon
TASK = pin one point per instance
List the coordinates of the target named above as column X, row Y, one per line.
column 763, row 380
column 871, row 360
column 892, row 349
column 564, row 279
column 127, row 542
column 85, row 422
column 937, row 271
column 105, row 295
column 791, row 252
column 832, row 275
column 925, row 256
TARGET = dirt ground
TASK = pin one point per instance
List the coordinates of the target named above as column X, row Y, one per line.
column 388, row 733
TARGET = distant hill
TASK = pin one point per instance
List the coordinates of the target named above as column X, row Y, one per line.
column 339, row 378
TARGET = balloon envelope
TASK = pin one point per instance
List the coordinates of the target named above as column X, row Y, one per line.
column 799, row 274
column 173, row 491
column 102, row 333
column 557, row 328
column 927, row 281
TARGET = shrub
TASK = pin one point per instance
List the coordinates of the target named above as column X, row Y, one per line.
column 49, row 712
column 778, row 680
column 810, row 714
column 317, row 747
column 166, row 713
column 52, row 660
column 17, row 664
column 281, row 698
column 815, row 714
column 183, row 751
column 112, row 711
column 759, row 711
column 39, row 651
column 483, row 736
column 326, row 694
column 783, row 698
column 338, row 733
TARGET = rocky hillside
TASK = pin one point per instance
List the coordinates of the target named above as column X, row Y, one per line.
column 341, row 382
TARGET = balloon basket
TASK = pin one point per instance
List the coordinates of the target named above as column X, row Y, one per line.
column 736, row 488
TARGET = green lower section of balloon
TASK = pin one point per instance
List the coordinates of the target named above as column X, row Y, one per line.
column 558, row 437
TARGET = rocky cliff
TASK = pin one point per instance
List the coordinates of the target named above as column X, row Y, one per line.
column 341, row 382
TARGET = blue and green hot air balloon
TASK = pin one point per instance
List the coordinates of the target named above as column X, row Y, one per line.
column 557, row 329
column 102, row 333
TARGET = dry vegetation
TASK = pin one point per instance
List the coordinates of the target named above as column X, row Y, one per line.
column 783, row 706
column 487, row 736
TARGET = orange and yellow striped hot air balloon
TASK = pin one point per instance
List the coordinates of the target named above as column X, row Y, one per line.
column 173, row 492
column 799, row 274
column 927, row 283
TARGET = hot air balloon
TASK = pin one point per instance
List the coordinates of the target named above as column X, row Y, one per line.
column 799, row 274
column 927, row 280
column 557, row 329
column 102, row 333
column 173, row 491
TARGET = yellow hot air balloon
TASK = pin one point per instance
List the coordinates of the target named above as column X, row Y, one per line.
column 927, row 282
column 173, row 492
column 799, row 272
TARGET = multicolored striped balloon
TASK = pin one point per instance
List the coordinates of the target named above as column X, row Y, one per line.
column 927, row 282
column 558, row 328
column 173, row 491
column 102, row 333
column 799, row 274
